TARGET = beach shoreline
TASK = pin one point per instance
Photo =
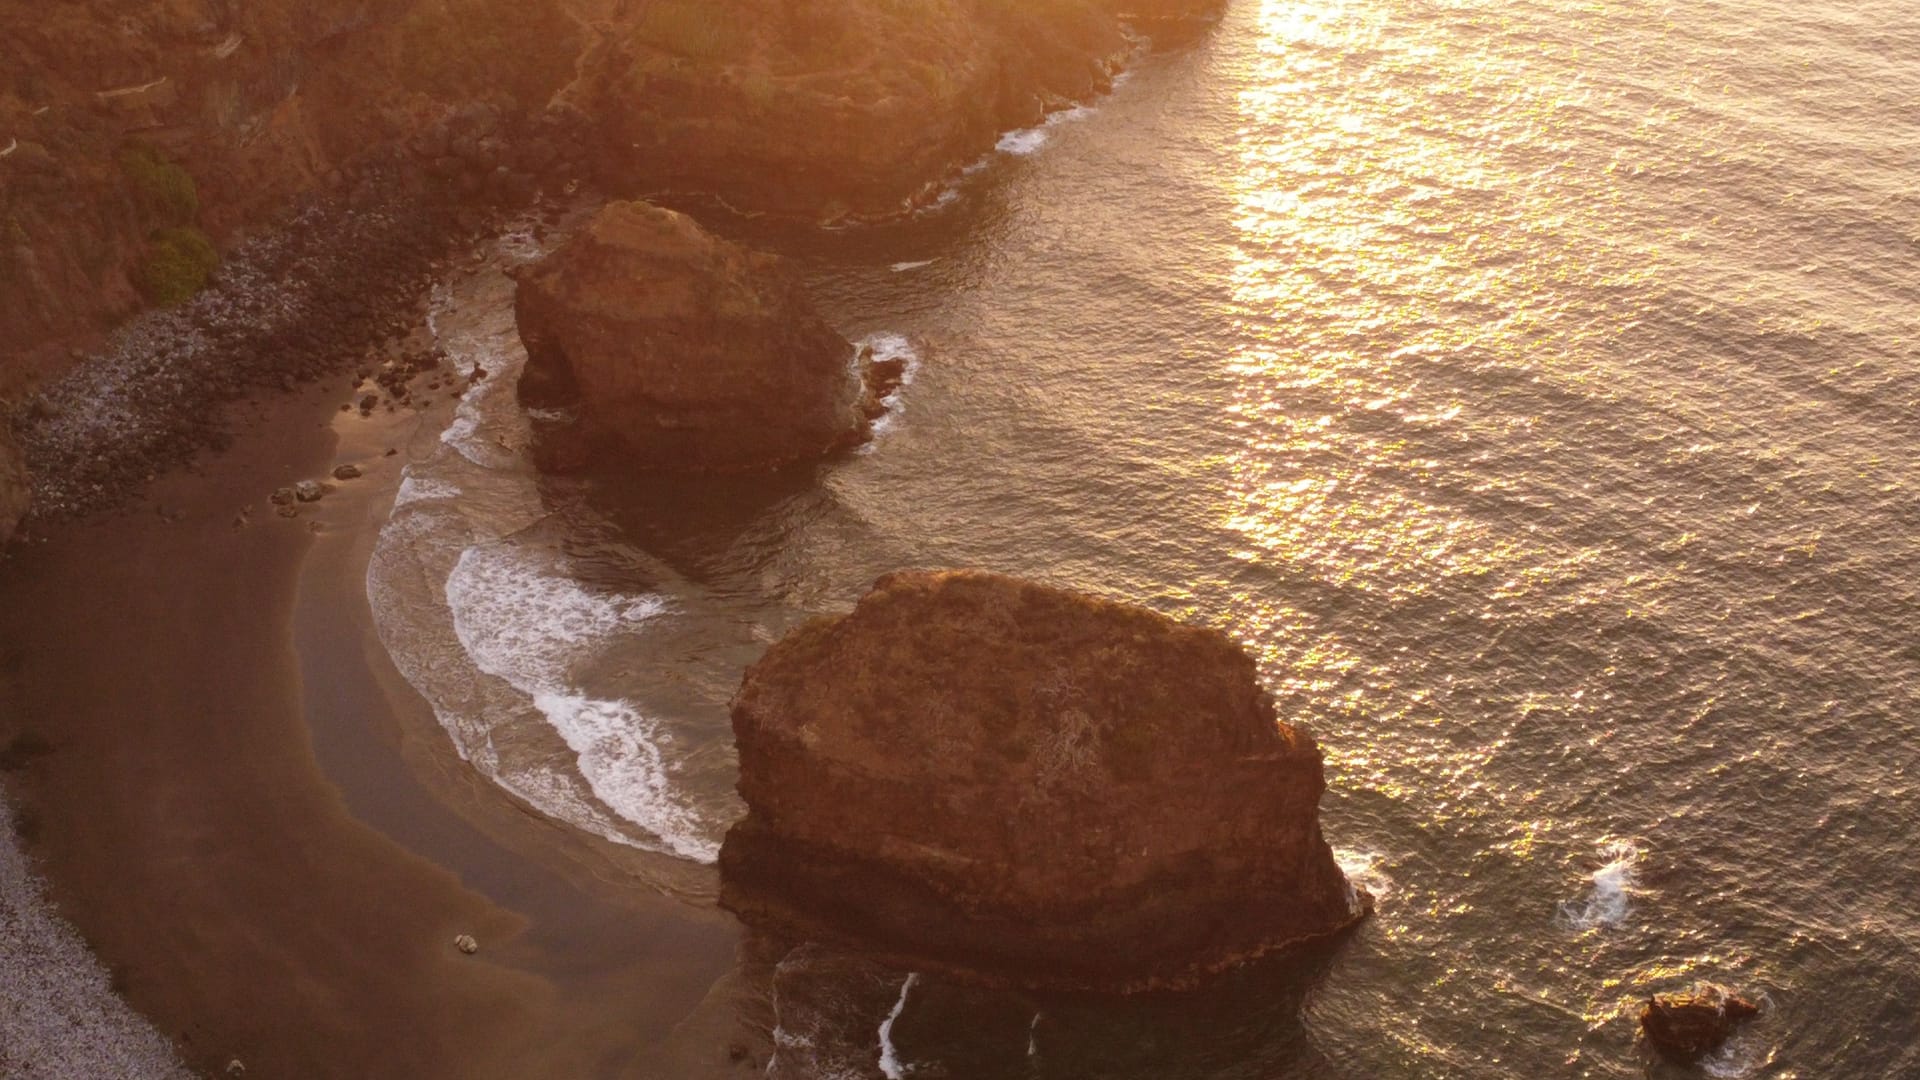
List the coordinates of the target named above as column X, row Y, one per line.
column 257, row 827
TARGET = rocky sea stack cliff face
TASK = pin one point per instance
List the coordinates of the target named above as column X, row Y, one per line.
column 680, row 350
column 1000, row 780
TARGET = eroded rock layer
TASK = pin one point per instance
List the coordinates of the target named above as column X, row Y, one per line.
column 14, row 489
column 993, row 778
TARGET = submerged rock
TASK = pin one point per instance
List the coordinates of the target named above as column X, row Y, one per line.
column 682, row 350
column 991, row 778
column 15, row 490
column 1687, row 1026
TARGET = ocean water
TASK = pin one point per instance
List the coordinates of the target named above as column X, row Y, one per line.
column 1533, row 387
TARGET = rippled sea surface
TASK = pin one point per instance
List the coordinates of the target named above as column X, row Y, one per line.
column 1533, row 387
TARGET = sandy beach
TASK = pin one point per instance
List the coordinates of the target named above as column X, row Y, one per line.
column 257, row 827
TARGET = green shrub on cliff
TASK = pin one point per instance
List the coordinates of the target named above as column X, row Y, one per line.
column 162, row 188
column 176, row 265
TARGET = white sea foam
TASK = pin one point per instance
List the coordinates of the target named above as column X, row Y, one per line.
column 903, row 267
column 414, row 489
column 1025, row 141
column 890, row 1065
column 1744, row 1055
column 1362, row 868
column 890, row 346
column 501, row 653
column 1033, row 1038
column 1613, row 890
column 817, row 1019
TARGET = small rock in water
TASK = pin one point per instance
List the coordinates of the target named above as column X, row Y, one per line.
column 236, row 1067
column 466, row 944
column 347, row 472
column 309, row 491
column 283, row 497
column 287, row 511
column 1689, row 1025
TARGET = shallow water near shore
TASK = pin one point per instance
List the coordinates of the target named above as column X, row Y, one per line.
column 1532, row 388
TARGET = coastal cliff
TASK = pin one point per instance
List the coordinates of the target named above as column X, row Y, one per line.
column 979, row 775
column 137, row 140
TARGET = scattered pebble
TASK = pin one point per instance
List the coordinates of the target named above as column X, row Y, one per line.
column 60, row 1018
column 466, row 944
column 289, row 307
column 309, row 491
column 347, row 472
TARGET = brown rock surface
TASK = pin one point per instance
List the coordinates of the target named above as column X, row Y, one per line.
column 1687, row 1026
column 979, row 775
column 14, row 490
column 834, row 110
column 685, row 351
column 238, row 109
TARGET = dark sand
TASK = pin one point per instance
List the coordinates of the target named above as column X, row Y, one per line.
column 259, row 828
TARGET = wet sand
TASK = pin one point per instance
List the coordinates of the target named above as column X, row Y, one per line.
column 249, row 818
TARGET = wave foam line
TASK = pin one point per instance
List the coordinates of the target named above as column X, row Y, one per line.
column 890, row 1065
column 1611, row 899
column 525, row 624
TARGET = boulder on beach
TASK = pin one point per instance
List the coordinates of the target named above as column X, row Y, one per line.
column 15, row 491
column 1018, row 784
column 1687, row 1026
column 680, row 350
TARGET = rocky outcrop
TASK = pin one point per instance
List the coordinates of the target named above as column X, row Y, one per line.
column 837, row 110
column 684, row 351
column 14, row 489
column 1687, row 1026
column 1000, row 780
column 204, row 118
column 208, row 118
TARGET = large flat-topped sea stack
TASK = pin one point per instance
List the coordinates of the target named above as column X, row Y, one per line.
column 685, row 351
column 992, row 778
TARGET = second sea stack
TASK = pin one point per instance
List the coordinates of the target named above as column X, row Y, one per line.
column 682, row 351
column 1000, row 780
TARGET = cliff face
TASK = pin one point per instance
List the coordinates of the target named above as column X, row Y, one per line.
column 135, row 127
column 834, row 110
column 684, row 351
column 985, row 776
column 132, row 133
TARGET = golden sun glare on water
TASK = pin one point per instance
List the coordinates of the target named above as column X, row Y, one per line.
column 1355, row 270
column 1434, row 250
column 1401, row 211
